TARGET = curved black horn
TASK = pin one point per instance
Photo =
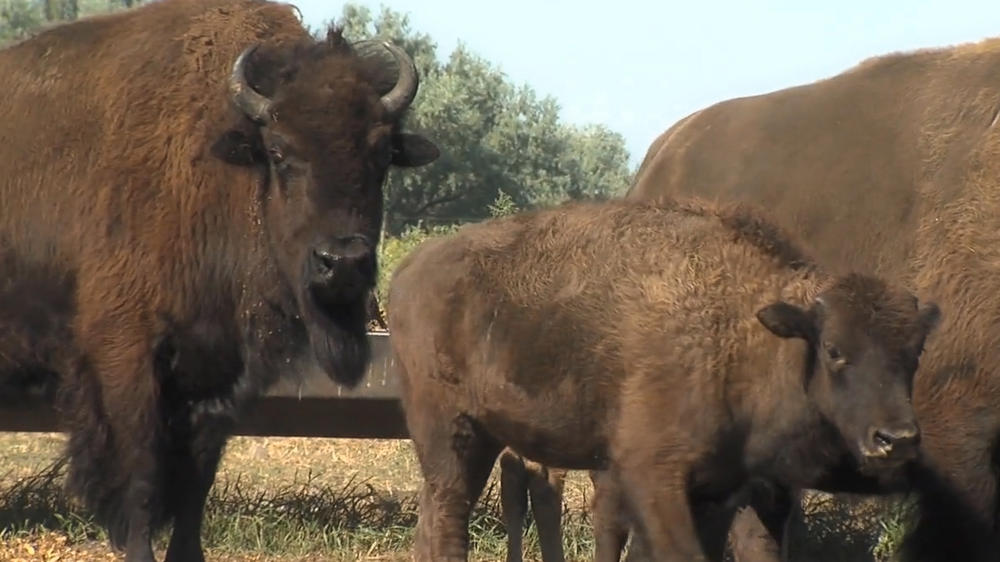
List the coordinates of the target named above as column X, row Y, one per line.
column 402, row 94
column 254, row 105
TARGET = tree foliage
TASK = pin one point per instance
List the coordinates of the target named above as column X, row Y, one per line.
column 496, row 137
column 19, row 18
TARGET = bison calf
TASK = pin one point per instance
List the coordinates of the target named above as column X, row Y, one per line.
column 684, row 349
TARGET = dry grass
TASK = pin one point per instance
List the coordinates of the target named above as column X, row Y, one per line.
column 275, row 499
column 297, row 499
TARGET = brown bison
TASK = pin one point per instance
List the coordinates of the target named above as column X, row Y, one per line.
column 190, row 199
column 685, row 350
column 890, row 168
column 519, row 477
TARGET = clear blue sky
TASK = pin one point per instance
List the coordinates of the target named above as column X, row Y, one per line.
column 639, row 66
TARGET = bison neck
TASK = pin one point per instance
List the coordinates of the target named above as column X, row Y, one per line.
column 786, row 437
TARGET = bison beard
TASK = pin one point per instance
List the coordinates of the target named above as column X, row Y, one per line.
column 338, row 339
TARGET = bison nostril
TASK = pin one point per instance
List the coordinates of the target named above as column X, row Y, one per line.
column 324, row 259
column 893, row 439
column 882, row 440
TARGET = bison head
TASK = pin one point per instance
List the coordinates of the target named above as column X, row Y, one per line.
column 321, row 122
column 865, row 339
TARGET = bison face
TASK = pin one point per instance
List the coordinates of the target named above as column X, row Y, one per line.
column 865, row 341
column 323, row 136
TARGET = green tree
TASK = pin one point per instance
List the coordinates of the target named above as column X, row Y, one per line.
column 19, row 18
column 496, row 137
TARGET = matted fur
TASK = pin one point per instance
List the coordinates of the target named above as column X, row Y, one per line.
column 585, row 335
column 892, row 167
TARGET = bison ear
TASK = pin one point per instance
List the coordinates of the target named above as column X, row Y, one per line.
column 787, row 321
column 238, row 148
column 410, row 150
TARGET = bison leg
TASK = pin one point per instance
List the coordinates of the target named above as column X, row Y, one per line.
column 456, row 459
column 513, row 501
column 192, row 473
column 546, row 486
column 610, row 515
column 657, row 493
column 129, row 400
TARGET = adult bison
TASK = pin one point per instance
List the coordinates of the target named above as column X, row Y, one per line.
column 190, row 199
column 540, row 332
column 892, row 167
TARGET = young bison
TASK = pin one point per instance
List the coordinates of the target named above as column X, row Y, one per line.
column 641, row 341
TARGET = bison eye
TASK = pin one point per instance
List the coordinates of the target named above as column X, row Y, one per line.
column 835, row 355
column 276, row 155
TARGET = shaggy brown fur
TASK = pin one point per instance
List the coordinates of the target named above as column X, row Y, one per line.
column 628, row 338
column 518, row 477
column 892, row 167
column 156, row 243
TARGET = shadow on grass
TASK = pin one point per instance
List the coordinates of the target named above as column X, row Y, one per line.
column 357, row 520
column 301, row 518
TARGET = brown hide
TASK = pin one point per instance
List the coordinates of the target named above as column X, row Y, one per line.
column 539, row 332
column 893, row 167
column 146, row 262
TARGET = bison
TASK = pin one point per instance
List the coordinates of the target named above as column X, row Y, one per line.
column 683, row 349
column 190, row 201
column 519, row 477
column 889, row 168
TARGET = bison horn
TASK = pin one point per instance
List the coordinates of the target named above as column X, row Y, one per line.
column 402, row 94
column 248, row 100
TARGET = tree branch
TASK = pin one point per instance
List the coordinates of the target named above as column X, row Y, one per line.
column 434, row 202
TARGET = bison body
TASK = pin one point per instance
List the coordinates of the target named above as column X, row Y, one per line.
column 190, row 195
column 684, row 350
column 890, row 167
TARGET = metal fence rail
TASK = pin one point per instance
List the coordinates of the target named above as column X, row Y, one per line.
column 313, row 407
